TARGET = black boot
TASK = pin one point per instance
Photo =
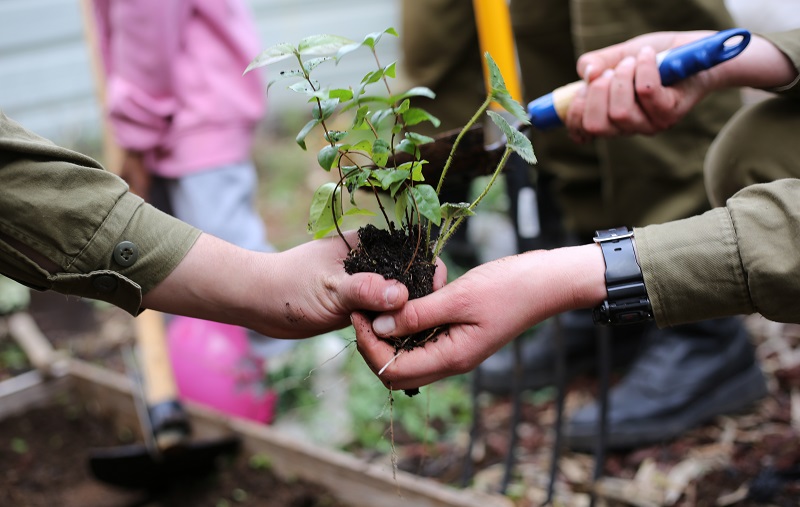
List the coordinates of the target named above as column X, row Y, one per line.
column 685, row 376
column 539, row 356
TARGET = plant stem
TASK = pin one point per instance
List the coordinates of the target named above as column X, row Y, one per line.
column 475, row 117
column 470, row 123
column 446, row 234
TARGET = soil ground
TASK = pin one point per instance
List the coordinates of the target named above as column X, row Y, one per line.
column 44, row 455
column 720, row 463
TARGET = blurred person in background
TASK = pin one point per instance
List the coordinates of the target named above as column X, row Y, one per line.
column 677, row 377
column 185, row 118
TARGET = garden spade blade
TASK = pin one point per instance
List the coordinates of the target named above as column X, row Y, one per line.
column 167, row 455
column 134, row 467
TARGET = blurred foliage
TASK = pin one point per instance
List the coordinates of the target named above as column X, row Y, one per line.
column 439, row 412
column 13, row 296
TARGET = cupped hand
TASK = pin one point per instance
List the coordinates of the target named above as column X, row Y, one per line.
column 480, row 312
column 624, row 94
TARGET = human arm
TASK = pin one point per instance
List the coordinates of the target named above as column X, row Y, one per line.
column 729, row 261
column 69, row 226
column 484, row 309
column 625, row 96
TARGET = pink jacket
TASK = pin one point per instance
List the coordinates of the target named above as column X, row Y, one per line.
column 175, row 88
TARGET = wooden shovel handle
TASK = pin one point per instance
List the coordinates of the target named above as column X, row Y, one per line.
column 151, row 337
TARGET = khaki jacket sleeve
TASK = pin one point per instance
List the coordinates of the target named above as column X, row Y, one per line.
column 68, row 225
column 739, row 259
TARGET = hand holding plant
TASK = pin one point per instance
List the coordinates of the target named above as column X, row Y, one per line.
column 379, row 153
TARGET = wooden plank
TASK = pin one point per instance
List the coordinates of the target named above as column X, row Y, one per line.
column 354, row 481
column 26, row 391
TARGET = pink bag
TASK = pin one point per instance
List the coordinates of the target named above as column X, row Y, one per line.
column 212, row 366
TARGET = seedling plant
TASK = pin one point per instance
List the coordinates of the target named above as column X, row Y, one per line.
column 371, row 145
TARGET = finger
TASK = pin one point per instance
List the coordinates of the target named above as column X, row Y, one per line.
column 595, row 119
column 436, row 309
column 656, row 101
column 370, row 291
column 623, row 110
column 404, row 370
column 440, row 275
column 574, row 118
column 375, row 351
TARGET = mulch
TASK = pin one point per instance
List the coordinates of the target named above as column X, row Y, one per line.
column 748, row 459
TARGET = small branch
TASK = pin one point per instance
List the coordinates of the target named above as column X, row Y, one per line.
column 470, row 123
column 445, row 236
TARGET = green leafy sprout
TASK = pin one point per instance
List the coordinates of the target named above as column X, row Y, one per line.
column 380, row 128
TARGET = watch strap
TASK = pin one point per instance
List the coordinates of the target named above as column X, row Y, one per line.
column 627, row 300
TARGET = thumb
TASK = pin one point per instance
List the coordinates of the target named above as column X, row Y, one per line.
column 416, row 315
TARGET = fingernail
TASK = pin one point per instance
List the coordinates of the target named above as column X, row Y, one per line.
column 628, row 61
column 383, row 325
column 587, row 74
column 391, row 295
column 608, row 73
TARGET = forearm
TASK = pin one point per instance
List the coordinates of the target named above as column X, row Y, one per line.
column 761, row 65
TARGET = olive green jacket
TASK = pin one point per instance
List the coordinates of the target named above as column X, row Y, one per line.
column 68, row 225
column 744, row 257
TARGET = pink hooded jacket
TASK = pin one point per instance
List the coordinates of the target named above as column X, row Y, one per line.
column 175, row 89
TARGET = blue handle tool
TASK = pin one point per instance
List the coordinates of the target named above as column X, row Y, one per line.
column 674, row 65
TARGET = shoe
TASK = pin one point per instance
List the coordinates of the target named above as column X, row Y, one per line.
column 539, row 353
column 685, row 376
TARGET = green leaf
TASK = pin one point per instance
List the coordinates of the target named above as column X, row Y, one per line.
column 285, row 74
column 427, row 202
column 418, row 139
column 403, row 107
column 343, row 94
column 358, row 119
column 364, row 145
column 324, row 109
column 370, row 40
column 416, row 115
column 323, row 44
column 270, row 55
column 406, row 146
column 380, row 115
column 327, row 200
column 355, row 180
column 380, row 152
column 515, row 139
column 388, row 177
column 417, row 91
column 313, row 63
column 456, row 210
column 334, row 136
column 391, row 70
column 400, row 206
column 495, row 77
column 327, row 157
column 301, row 136
column 372, row 77
column 360, row 212
column 303, row 87
column 500, row 94
column 512, row 106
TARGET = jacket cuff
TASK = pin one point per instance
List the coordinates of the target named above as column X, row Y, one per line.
column 692, row 269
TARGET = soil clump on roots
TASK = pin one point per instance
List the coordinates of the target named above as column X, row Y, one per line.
column 401, row 255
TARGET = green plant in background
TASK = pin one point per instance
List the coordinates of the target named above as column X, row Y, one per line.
column 379, row 128
column 366, row 402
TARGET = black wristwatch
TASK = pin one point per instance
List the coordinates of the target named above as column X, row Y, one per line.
column 627, row 301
